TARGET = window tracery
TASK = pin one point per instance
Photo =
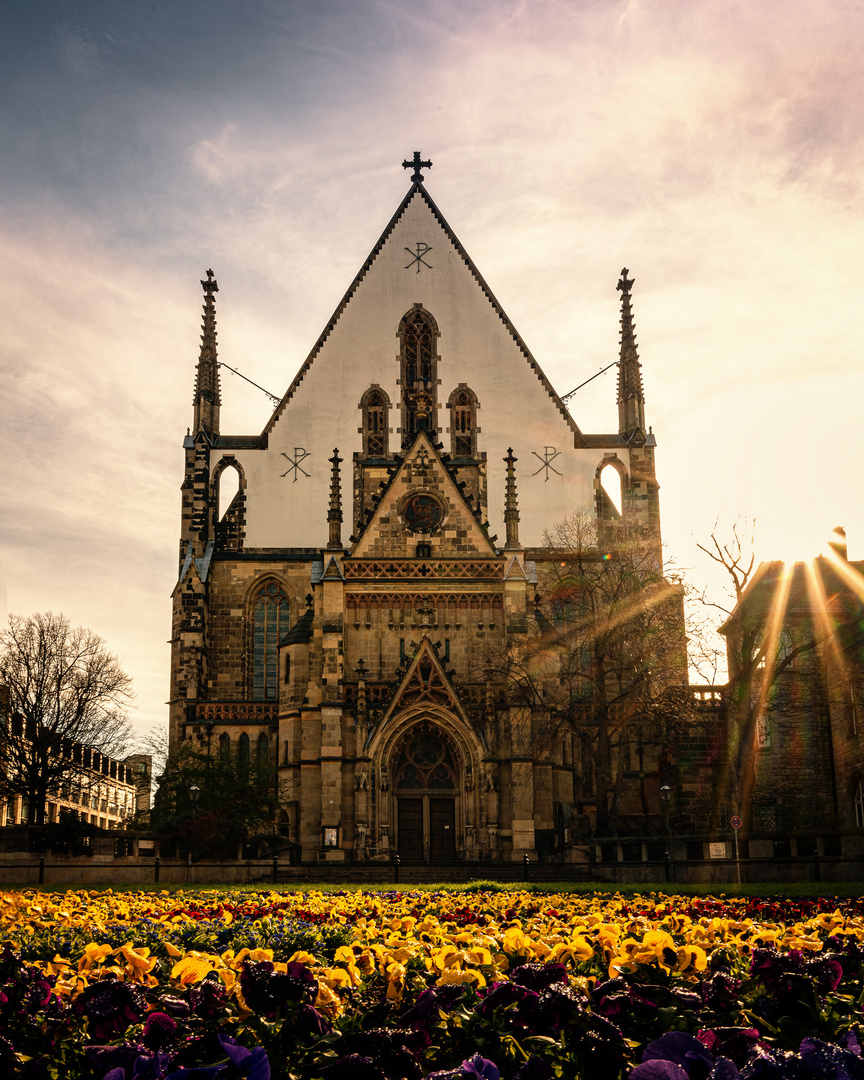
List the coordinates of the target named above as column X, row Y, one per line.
column 463, row 422
column 269, row 623
column 375, row 405
column 419, row 374
column 425, row 762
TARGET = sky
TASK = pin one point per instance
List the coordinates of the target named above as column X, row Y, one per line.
column 715, row 148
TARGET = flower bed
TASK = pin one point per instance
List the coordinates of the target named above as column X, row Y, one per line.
column 385, row 986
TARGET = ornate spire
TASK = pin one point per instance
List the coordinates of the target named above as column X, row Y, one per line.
column 334, row 514
column 207, row 392
column 631, row 399
column 511, row 510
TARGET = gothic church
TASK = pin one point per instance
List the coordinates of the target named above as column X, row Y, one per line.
column 353, row 653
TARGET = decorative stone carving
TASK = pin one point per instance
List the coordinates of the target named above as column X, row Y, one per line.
column 361, row 778
column 490, row 778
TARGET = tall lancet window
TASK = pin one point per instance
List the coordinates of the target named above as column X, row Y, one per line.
column 269, row 623
column 463, row 422
column 375, row 405
column 419, row 374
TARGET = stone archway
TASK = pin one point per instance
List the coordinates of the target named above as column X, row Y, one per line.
column 427, row 774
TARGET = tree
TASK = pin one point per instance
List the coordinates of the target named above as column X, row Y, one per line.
column 607, row 661
column 760, row 649
column 236, row 798
column 65, row 691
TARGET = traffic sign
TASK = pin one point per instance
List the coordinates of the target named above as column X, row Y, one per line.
column 736, row 822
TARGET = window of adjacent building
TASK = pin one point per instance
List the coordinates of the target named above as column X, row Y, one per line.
column 270, row 622
column 784, row 646
column 853, row 696
column 859, row 805
column 763, row 732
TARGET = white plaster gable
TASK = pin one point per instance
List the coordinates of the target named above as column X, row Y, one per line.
column 287, row 482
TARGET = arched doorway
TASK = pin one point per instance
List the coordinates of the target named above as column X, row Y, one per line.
column 425, row 784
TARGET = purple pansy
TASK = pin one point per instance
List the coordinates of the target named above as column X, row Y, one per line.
column 681, row 1049
column 252, row 1064
column 268, row 992
column 159, row 1031
column 110, row 1007
column 473, row 1068
column 538, row 976
column 208, row 998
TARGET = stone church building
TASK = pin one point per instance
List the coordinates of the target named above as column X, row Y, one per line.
column 383, row 538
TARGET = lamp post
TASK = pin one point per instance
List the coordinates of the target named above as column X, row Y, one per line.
column 666, row 797
column 194, row 792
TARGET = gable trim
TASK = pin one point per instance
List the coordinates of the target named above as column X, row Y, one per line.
column 418, row 189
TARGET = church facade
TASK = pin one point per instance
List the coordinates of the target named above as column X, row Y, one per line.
column 384, row 541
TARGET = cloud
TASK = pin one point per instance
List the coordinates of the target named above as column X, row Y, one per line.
column 713, row 147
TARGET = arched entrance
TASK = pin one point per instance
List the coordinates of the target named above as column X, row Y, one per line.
column 425, row 775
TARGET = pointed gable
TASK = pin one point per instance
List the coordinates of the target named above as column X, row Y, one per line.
column 425, row 685
column 422, row 503
column 418, row 215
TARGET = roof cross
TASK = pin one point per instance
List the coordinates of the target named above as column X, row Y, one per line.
column 416, row 164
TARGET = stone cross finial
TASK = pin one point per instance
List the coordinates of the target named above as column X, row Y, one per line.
column 416, row 164
column 625, row 284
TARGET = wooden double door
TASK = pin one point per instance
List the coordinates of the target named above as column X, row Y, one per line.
column 427, row 823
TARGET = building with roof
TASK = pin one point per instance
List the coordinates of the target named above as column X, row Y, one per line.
column 383, row 538
column 795, row 643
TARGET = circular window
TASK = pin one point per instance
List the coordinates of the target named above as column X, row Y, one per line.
column 422, row 513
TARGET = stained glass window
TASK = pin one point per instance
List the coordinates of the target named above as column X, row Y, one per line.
column 419, row 373
column 270, row 621
column 243, row 753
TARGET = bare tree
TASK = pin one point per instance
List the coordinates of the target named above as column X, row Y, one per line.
column 760, row 648
column 64, row 690
column 608, row 660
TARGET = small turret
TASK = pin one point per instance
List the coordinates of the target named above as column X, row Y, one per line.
column 334, row 513
column 631, row 399
column 511, row 509
column 207, row 391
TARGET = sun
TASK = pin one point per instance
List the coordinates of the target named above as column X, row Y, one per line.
column 800, row 541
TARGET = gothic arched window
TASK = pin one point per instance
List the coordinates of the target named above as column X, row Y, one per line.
column 463, row 422
column 263, row 749
column 269, row 623
column 224, row 744
column 419, row 374
column 859, row 804
column 243, row 754
column 375, row 405
column 426, row 761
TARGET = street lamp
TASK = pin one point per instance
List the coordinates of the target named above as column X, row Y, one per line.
column 665, row 798
column 194, row 792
